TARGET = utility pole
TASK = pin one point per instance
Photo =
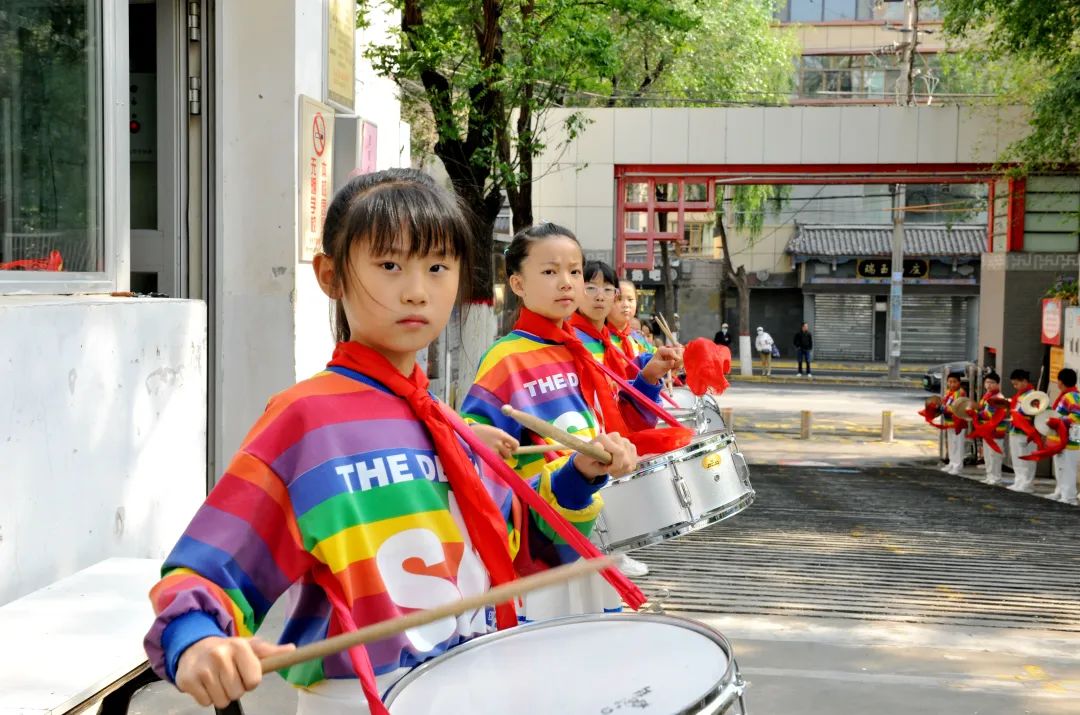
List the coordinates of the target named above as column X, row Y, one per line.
column 906, row 96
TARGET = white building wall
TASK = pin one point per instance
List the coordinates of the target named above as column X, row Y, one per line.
column 577, row 186
column 102, row 433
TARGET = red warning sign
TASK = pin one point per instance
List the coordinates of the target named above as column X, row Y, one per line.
column 318, row 134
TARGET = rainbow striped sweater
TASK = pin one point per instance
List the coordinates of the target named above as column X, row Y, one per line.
column 540, row 378
column 1068, row 407
column 641, row 346
column 338, row 483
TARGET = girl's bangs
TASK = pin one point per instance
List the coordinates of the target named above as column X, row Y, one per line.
column 411, row 219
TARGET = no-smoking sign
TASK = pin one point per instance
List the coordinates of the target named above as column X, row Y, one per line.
column 318, row 134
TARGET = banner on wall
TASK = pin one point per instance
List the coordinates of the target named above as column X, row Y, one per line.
column 341, row 53
column 316, row 172
column 1053, row 319
column 1071, row 337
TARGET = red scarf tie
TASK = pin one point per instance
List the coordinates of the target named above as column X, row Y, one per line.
column 594, row 384
column 624, row 336
column 483, row 520
column 611, row 358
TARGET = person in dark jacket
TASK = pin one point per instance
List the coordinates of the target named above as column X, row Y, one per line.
column 723, row 337
column 804, row 343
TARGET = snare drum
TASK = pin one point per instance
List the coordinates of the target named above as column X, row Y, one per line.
column 674, row 493
column 613, row 663
column 700, row 414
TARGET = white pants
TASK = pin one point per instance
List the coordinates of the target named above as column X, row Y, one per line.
column 1065, row 464
column 993, row 459
column 1022, row 468
column 956, row 445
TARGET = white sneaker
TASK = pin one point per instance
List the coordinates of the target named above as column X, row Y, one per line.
column 992, row 481
column 945, row 467
column 1055, row 495
column 1022, row 489
column 630, row 567
column 955, row 471
column 1070, row 502
column 810, row 375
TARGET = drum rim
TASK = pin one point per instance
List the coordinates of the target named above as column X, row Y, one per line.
column 683, row 528
column 721, row 692
column 694, row 449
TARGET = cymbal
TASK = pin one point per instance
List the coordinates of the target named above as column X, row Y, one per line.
column 1034, row 402
column 932, row 403
column 960, row 406
column 1042, row 421
column 998, row 402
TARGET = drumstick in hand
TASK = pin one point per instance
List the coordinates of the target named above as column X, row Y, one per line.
column 385, row 629
column 546, row 429
column 542, row 448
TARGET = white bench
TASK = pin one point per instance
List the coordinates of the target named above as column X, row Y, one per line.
column 67, row 646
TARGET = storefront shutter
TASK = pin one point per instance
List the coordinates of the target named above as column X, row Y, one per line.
column 844, row 327
column 934, row 328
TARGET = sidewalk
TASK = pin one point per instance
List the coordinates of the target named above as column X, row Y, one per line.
column 908, row 369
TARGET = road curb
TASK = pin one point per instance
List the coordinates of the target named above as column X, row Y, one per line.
column 855, row 381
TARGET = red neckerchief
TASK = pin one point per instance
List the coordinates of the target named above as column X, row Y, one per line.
column 579, row 321
column 483, row 520
column 593, row 381
column 624, row 335
column 1061, row 398
column 1014, row 401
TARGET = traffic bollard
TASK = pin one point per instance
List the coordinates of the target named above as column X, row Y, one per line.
column 805, row 428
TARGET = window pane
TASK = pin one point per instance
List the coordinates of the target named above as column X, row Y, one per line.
column 839, row 10
column 806, row 10
column 50, row 136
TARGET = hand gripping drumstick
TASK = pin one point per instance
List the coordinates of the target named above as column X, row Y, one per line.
column 385, row 629
column 546, row 429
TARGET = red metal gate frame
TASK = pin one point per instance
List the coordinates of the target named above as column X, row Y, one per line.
column 713, row 175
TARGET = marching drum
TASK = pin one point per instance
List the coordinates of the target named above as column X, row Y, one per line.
column 609, row 663
column 701, row 414
column 674, row 493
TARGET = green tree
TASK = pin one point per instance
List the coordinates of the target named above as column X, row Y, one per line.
column 1029, row 38
column 486, row 71
column 731, row 52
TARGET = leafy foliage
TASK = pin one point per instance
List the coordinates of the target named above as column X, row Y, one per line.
column 728, row 51
column 1035, row 47
column 482, row 75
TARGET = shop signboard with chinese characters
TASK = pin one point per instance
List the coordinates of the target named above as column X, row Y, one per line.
column 882, row 268
column 316, row 172
column 1053, row 318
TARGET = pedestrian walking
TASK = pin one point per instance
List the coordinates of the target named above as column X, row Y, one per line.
column 804, row 343
column 723, row 337
column 1019, row 444
column 954, row 438
column 764, row 345
column 989, row 405
column 1067, row 406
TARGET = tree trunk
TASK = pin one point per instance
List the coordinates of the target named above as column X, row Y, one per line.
column 669, row 286
column 742, row 286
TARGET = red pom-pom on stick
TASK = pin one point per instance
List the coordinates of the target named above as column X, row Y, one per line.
column 707, row 365
column 660, row 439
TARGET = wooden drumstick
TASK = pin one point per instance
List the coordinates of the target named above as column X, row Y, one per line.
column 662, row 322
column 542, row 448
column 385, row 629
column 546, row 429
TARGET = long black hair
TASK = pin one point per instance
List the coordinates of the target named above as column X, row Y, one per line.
column 395, row 209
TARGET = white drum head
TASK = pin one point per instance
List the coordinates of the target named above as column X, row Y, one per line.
column 575, row 665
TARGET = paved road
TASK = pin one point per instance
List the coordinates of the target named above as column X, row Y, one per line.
column 887, row 591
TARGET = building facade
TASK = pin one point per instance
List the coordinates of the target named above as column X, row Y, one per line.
column 162, row 166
